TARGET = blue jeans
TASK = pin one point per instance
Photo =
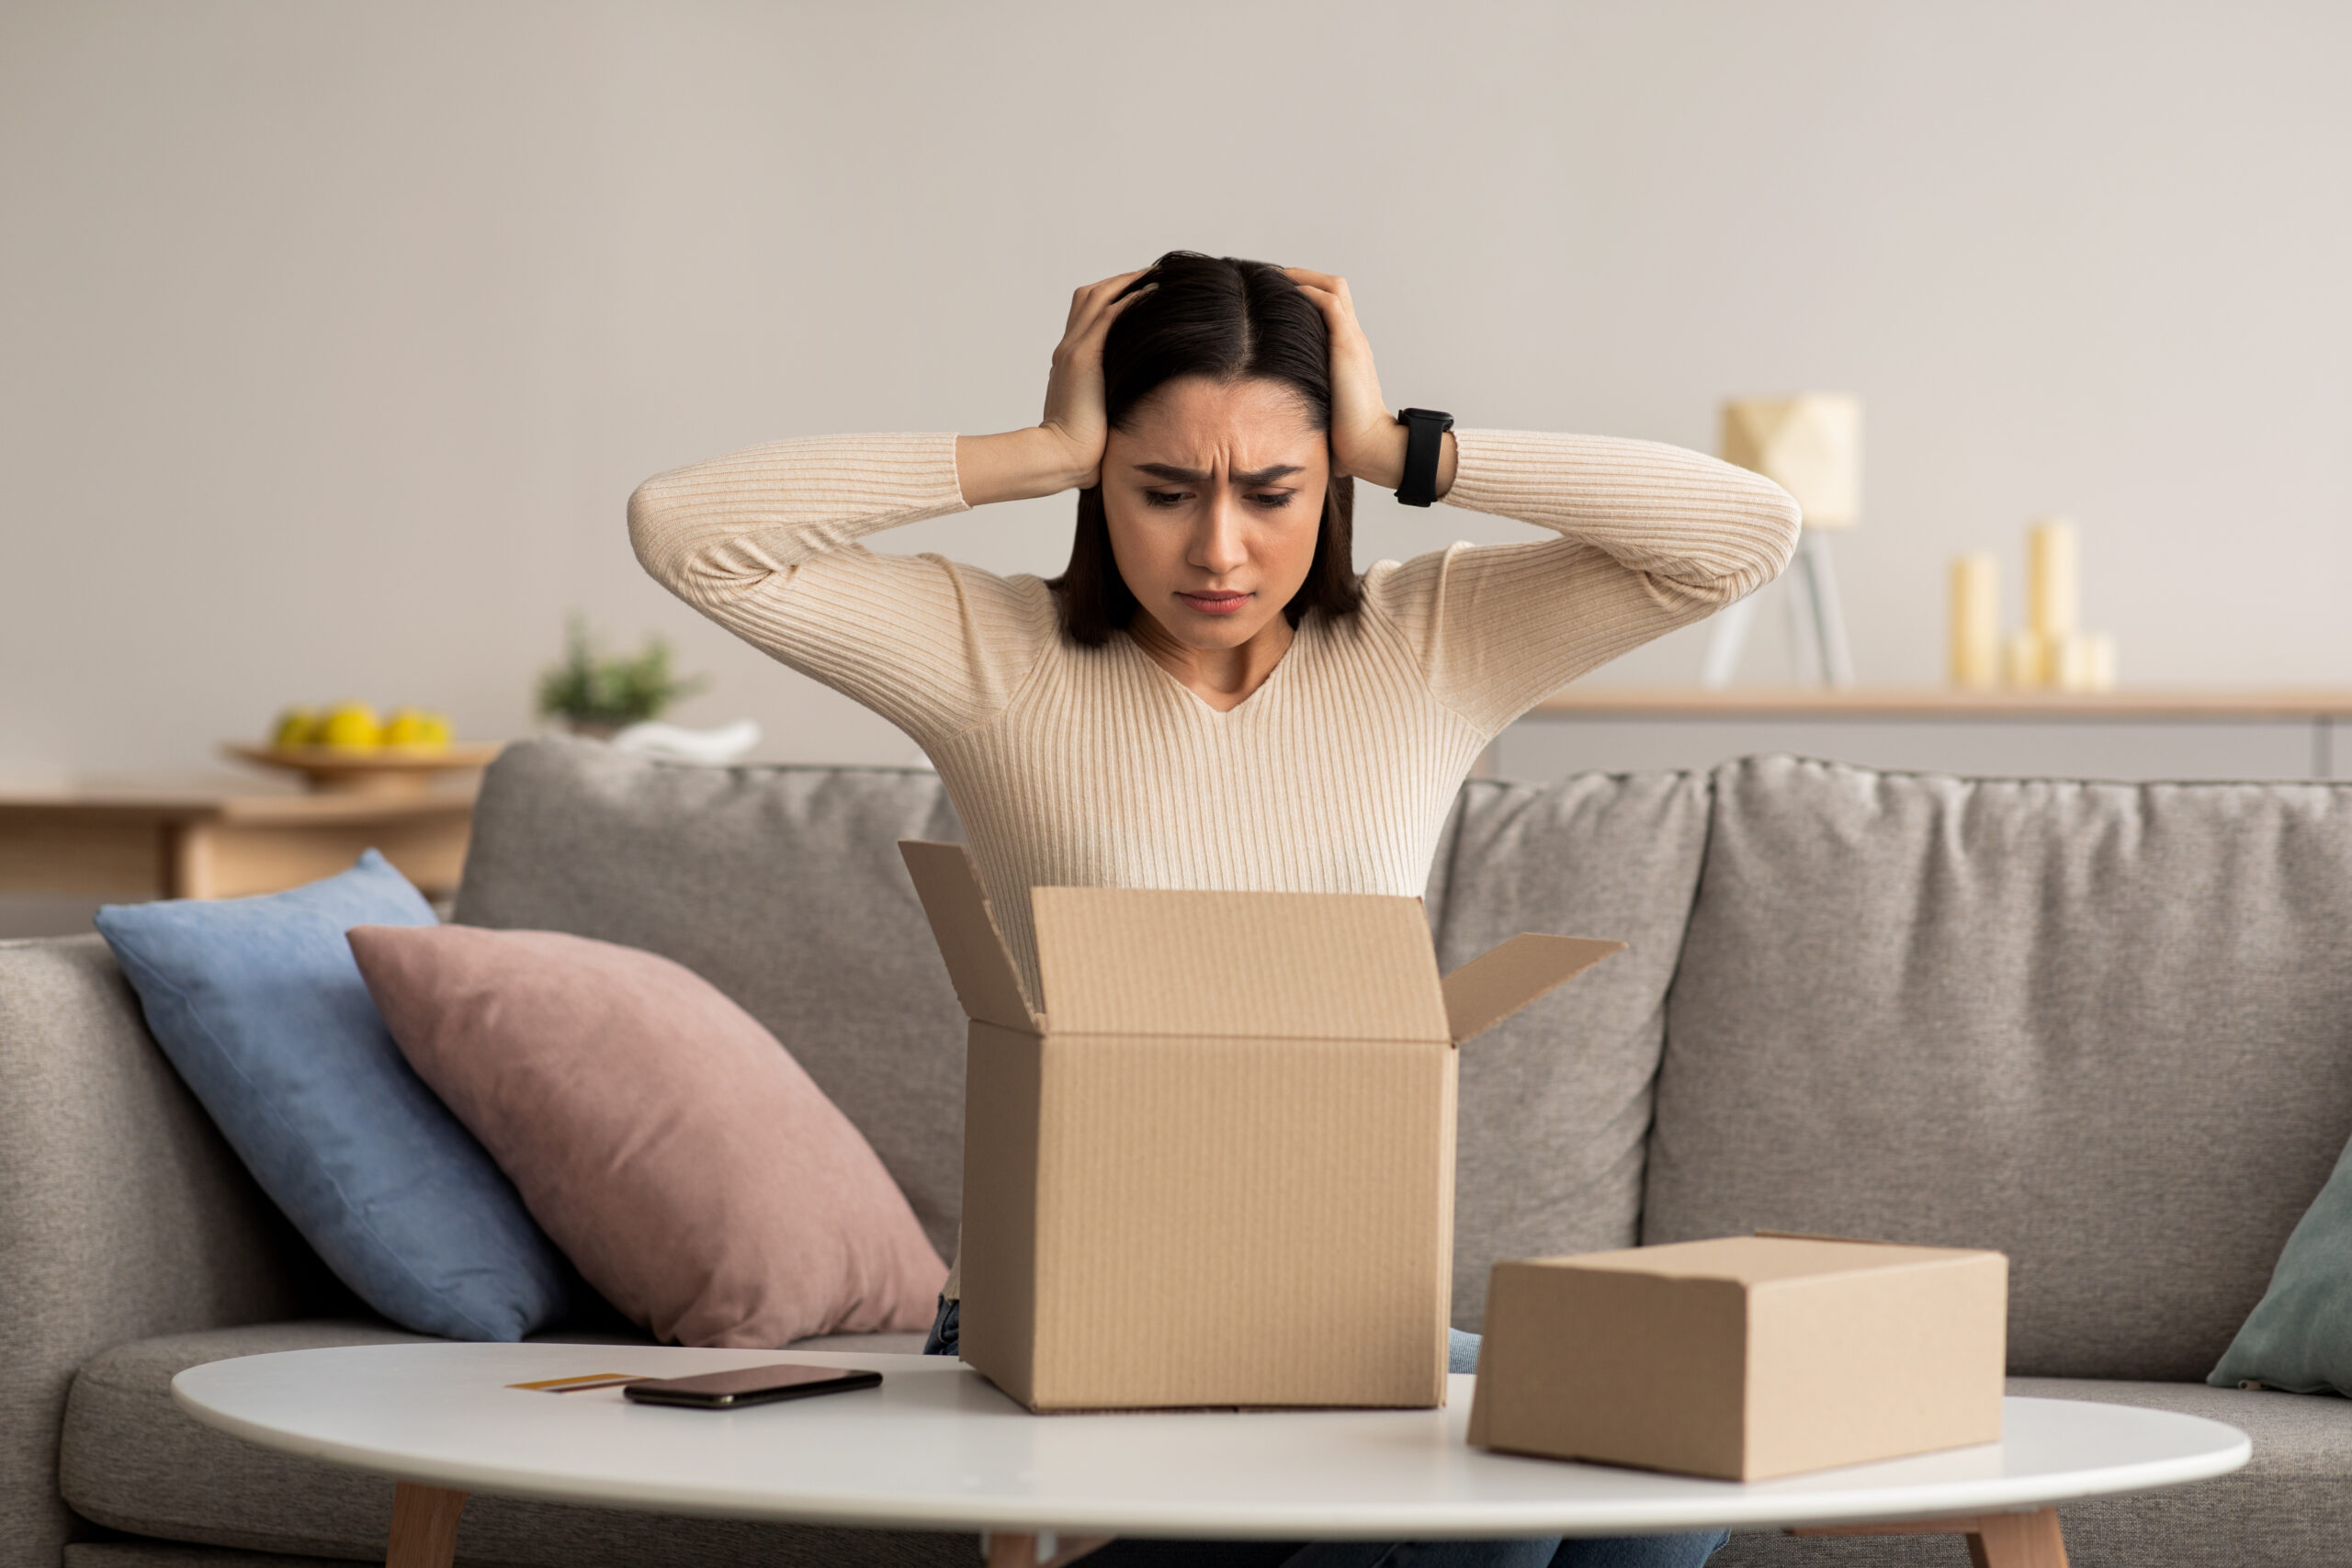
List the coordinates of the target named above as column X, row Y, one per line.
column 1461, row 1356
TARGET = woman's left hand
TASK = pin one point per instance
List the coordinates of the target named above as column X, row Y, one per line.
column 1366, row 440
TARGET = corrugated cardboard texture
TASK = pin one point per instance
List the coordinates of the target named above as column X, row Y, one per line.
column 1282, row 966
column 1505, row 979
column 1218, row 1220
column 986, row 982
column 1850, row 1367
column 1003, row 1080
column 1746, row 1358
column 1624, row 1368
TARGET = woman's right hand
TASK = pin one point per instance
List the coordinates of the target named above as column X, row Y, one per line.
column 1075, row 412
column 1063, row 450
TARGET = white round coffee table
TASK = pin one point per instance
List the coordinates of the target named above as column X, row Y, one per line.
column 936, row 1446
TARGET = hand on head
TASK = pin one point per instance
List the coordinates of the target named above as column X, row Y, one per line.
column 1366, row 441
column 1074, row 405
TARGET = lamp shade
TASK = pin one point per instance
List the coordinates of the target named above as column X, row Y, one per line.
column 1809, row 445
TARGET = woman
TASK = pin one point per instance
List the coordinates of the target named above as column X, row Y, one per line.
column 1210, row 695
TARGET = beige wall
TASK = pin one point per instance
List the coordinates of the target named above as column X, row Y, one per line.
column 335, row 336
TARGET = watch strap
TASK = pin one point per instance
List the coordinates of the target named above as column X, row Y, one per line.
column 1424, row 441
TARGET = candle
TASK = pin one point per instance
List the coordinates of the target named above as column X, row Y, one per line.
column 1975, row 621
column 2054, row 590
column 2025, row 660
column 2086, row 663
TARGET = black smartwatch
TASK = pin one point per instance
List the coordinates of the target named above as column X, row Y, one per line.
column 1424, row 439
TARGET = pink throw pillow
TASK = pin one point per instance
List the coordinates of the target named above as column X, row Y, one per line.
column 687, row 1165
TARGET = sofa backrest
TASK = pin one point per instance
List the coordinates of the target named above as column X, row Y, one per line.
column 1555, row 1102
column 2104, row 1028
column 782, row 887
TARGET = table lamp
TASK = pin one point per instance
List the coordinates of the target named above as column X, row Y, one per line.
column 1811, row 445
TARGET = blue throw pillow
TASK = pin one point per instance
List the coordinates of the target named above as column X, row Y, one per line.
column 258, row 1003
column 2299, row 1336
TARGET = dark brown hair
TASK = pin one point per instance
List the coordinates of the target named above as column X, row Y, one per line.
column 1229, row 320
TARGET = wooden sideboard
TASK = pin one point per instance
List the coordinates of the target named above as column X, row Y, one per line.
column 220, row 840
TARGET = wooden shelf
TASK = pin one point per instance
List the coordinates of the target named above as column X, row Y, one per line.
column 2313, row 706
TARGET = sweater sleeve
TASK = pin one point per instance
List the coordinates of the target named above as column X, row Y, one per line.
column 767, row 543
column 1650, row 537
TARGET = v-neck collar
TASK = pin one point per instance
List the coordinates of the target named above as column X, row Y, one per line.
column 1290, row 653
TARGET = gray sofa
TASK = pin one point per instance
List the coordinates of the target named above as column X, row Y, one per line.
column 2105, row 1028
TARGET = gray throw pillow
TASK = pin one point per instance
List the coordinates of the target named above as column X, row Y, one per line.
column 2299, row 1336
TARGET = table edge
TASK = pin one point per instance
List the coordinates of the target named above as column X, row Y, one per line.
column 1758, row 1510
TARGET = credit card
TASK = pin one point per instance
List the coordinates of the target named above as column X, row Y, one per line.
column 580, row 1384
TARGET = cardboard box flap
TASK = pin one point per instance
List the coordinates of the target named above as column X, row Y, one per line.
column 1285, row 966
column 977, row 961
column 1505, row 979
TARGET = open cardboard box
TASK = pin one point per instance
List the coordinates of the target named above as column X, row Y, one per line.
column 1216, row 1166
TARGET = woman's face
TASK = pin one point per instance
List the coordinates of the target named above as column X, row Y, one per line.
column 1214, row 494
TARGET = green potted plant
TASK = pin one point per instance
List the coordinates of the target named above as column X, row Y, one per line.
column 596, row 694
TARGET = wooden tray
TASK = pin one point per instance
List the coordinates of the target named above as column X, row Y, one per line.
column 386, row 770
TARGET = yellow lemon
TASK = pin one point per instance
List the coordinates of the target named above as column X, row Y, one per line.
column 296, row 726
column 417, row 728
column 405, row 727
column 351, row 728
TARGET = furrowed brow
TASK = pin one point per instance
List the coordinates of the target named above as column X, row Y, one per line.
column 1194, row 475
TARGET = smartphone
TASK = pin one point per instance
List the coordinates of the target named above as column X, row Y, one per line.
column 751, row 1385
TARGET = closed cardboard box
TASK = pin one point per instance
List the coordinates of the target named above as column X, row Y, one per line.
column 1745, row 1357
column 1212, row 1165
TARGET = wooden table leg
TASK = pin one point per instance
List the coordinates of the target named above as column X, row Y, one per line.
column 424, row 1526
column 2017, row 1541
column 1043, row 1550
column 188, row 860
column 1994, row 1541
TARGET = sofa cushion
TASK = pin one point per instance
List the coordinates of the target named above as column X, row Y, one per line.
column 132, row 1461
column 2105, row 1028
column 258, row 1004
column 782, row 887
column 1555, row 1102
column 677, row 1154
column 2290, row 1507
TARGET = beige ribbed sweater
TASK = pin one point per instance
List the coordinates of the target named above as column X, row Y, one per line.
column 1094, row 767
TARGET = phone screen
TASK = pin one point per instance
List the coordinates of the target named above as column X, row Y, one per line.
column 752, row 1385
